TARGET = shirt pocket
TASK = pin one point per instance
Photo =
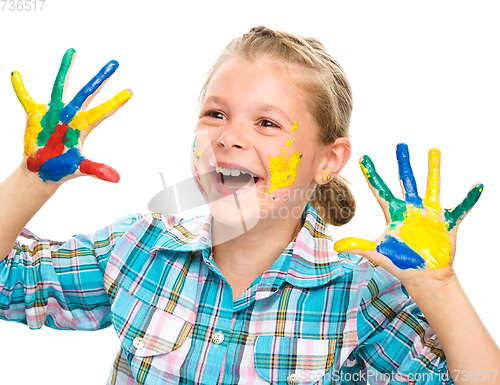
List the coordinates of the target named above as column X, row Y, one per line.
column 288, row 361
column 145, row 330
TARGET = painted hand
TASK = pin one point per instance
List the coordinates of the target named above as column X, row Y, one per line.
column 55, row 132
column 419, row 234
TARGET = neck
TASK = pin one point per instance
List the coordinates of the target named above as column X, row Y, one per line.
column 245, row 257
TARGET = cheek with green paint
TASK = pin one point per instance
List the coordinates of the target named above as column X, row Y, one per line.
column 198, row 147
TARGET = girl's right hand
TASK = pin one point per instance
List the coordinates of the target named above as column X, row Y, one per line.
column 55, row 133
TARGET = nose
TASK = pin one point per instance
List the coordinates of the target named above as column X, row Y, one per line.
column 232, row 137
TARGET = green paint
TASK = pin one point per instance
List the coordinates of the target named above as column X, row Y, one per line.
column 194, row 141
column 49, row 122
column 393, row 226
column 454, row 215
column 72, row 136
column 58, row 88
column 51, row 118
column 396, row 206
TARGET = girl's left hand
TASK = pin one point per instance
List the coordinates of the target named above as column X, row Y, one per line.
column 418, row 245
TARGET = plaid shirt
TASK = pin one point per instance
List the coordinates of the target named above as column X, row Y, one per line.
column 315, row 317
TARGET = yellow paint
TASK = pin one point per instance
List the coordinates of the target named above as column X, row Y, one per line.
column 84, row 119
column 283, row 171
column 427, row 236
column 203, row 142
column 431, row 201
column 365, row 171
column 34, row 111
column 326, row 171
column 294, row 126
column 199, row 153
column 352, row 243
column 288, row 143
column 33, row 128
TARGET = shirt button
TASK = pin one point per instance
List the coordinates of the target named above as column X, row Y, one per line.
column 138, row 343
column 218, row 338
column 293, row 379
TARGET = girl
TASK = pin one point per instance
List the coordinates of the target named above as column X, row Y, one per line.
column 253, row 293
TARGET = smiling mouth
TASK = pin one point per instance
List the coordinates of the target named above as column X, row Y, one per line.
column 235, row 179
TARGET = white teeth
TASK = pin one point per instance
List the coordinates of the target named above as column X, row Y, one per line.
column 233, row 172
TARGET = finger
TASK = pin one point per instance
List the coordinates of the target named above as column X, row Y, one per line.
column 62, row 78
column 454, row 216
column 50, row 120
column 352, row 243
column 381, row 191
column 29, row 105
column 433, row 180
column 406, row 176
column 88, row 120
column 99, row 170
column 400, row 254
column 88, row 91
column 366, row 249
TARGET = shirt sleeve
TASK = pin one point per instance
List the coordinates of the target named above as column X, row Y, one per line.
column 396, row 344
column 60, row 284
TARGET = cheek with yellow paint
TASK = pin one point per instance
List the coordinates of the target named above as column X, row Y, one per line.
column 284, row 170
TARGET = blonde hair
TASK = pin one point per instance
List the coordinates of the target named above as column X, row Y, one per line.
column 329, row 100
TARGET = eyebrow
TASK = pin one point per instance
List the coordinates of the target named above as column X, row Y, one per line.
column 258, row 106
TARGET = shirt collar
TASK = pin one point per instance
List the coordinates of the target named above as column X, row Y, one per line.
column 312, row 259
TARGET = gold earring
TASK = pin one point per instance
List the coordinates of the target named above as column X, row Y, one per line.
column 327, row 178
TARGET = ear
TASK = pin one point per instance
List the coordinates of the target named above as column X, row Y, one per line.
column 335, row 158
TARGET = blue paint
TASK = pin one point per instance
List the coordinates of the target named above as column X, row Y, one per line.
column 400, row 253
column 406, row 176
column 61, row 166
column 90, row 88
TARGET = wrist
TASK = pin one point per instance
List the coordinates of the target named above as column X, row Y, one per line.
column 434, row 285
column 31, row 180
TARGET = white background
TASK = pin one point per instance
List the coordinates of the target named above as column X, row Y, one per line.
column 423, row 73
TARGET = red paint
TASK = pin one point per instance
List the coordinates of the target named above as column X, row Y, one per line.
column 53, row 148
column 99, row 170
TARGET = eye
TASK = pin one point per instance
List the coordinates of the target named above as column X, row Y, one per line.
column 268, row 123
column 216, row 115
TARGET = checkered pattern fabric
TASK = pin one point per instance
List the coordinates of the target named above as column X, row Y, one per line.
column 314, row 317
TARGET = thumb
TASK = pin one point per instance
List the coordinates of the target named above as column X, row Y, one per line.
column 99, row 170
column 366, row 249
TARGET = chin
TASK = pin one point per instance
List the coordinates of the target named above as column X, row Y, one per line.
column 236, row 211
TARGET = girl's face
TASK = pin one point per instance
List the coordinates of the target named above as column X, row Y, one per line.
column 255, row 154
